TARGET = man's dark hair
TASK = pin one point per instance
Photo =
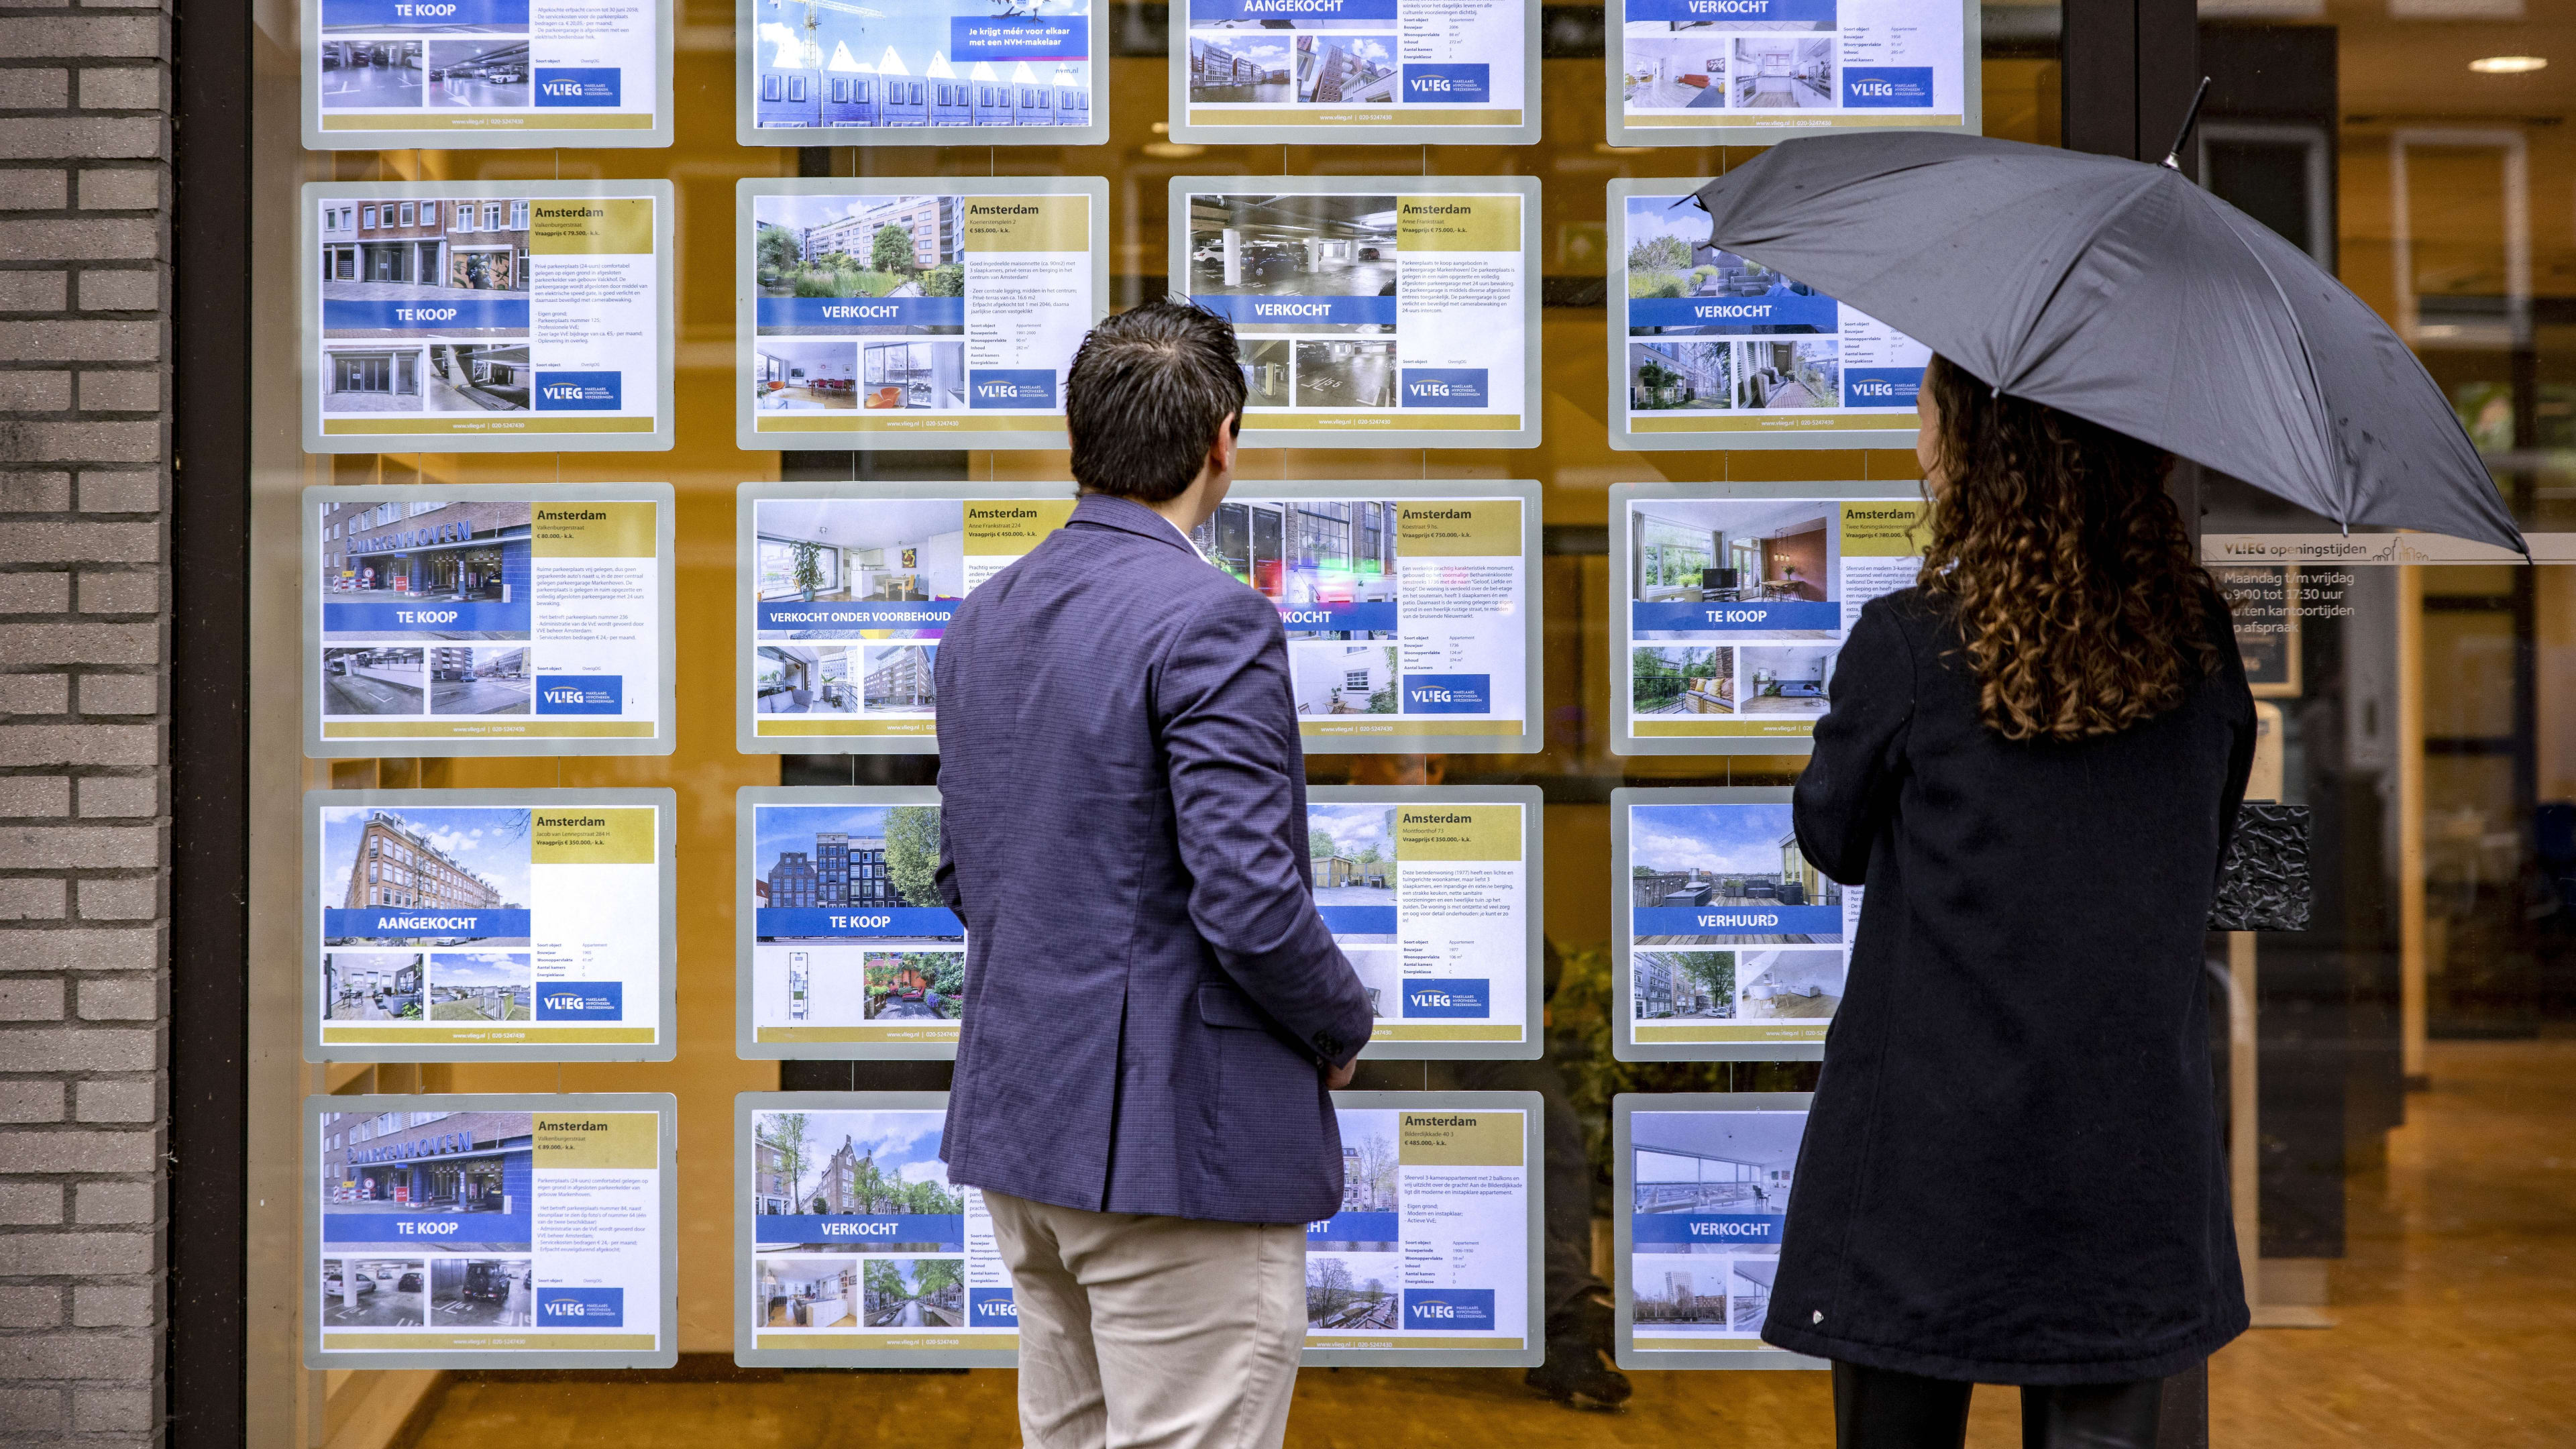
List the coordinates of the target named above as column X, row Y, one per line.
column 1147, row 390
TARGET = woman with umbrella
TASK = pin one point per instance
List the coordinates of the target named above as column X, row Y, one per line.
column 2013, row 1171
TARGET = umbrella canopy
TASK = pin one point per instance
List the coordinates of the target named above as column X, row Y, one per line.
column 2123, row 294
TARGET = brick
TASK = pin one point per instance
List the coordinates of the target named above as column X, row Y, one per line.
column 43, row 442
column 75, row 340
column 120, row 88
column 95, row 1255
column 33, row 291
column 84, row 643
column 99, row 1100
column 31, row 899
column 88, row 744
column 121, row 1410
column 138, row 899
column 110, row 797
column 82, row 37
column 31, row 1307
column 86, row 1356
column 137, row 391
column 94, row 138
column 25, row 1101
column 35, row 392
column 33, row 1153
column 120, row 998
column 92, row 1049
column 124, row 188
column 116, row 1202
column 35, row 90
column 115, row 289
column 31, row 491
column 113, row 1305
column 79, row 847
column 30, row 1204
column 36, row 1000
column 32, row 1411
column 34, row 191
column 41, row 592
column 34, row 694
column 83, row 239
column 120, row 694
column 104, row 591
column 116, row 491
column 103, row 949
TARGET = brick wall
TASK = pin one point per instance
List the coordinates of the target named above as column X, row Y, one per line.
column 84, row 388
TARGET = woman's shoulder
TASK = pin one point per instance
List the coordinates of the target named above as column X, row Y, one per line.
column 1913, row 612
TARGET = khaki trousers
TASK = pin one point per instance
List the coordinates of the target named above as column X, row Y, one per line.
column 1144, row 1332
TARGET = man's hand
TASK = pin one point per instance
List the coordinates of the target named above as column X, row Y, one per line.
column 1336, row 1078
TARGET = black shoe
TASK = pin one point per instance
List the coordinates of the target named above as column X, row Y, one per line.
column 1579, row 1372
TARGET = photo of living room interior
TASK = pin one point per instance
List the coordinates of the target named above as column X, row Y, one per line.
column 1733, row 552
column 792, row 376
column 885, row 550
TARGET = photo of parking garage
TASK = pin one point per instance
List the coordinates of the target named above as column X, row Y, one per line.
column 372, row 74
column 482, row 1292
column 1791, row 374
column 1265, row 372
column 488, row 75
column 373, row 680
column 474, row 1167
column 1780, row 72
column 480, row 681
column 1332, row 373
column 1295, row 246
column 375, row 1292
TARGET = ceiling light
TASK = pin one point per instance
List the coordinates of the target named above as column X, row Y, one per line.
column 2508, row 64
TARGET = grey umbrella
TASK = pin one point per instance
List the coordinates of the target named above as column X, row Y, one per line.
column 2122, row 293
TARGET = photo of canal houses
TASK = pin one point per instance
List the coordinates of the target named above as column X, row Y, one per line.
column 849, row 940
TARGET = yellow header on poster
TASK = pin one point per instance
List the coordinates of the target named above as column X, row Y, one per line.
column 1457, row 832
column 591, row 226
column 591, row 530
column 1882, row 528
column 621, row 836
column 1458, row 1139
column 1459, row 528
column 596, row 1142
column 1010, row 527
column 1027, row 223
column 1457, row 224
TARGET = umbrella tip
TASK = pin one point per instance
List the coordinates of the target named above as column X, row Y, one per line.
column 2173, row 154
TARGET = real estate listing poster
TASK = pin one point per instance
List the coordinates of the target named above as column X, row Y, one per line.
column 1710, row 349
column 486, row 316
column 1350, row 72
column 1731, row 946
column 1411, row 608
column 490, row 1232
column 489, row 74
column 488, row 620
column 854, row 1250
column 1756, row 72
column 842, row 947
column 1730, row 603
column 843, row 590
column 918, row 313
column 1371, row 312
column 490, row 925
column 1700, row 1183
column 920, row 73
column 1430, row 891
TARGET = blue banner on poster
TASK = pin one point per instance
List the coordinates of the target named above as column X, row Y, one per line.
column 392, row 1225
column 581, row 1001
column 1644, row 1228
column 393, row 923
column 600, row 85
column 1217, row 12
column 581, row 694
column 1446, row 387
column 1780, row 311
column 581, row 1307
column 1358, row 920
column 1754, row 12
column 1353, row 1227
column 1881, row 387
column 823, row 922
column 1300, row 311
column 1011, row 387
column 992, row 1308
column 1448, row 693
column 438, row 316
column 784, row 615
column 1887, row 87
column 1473, row 1000
column 1449, row 1310
column 580, row 392
column 1375, row 617
column 861, row 314
column 475, row 616
column 1821, row 923
column 928, row 1232
column 453, row 16
column 1772, row 616
column 1449, row 85
column 1041, row 37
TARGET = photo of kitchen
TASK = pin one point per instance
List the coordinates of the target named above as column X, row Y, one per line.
column 1294, row 246
column 1784, row 72
column 1734, row 551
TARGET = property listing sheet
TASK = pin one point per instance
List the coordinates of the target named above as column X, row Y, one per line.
column 1717, row 346
column 1734, row 945
column 844, row 945
column 1354, row 70
column 920, row 73
column 490, row 924
column 845, row 590
column 1407, row 616
column 491, row 1232
column 1737, row 606
column 475, row 620
column 1750, row 72
column 1431, row 1251
column 487, row 316
column 1390, row 311
column 382, row 74
column 1428, row 891
column 1703, row 1184
column 915, row 318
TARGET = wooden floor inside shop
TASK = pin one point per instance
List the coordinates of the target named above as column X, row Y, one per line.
column 2454, row 1326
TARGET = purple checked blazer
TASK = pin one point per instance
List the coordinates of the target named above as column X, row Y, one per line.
column 1149, row 990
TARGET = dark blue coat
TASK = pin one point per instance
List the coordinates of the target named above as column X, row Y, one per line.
column 1149, row 990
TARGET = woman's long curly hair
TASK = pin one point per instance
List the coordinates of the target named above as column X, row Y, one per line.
column 2069, row 566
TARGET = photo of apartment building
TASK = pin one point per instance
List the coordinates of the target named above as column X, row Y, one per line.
column 469, row 1163
column 1665, row 985
column 1303, row 552
column 393, row 863
column 1242, row 68
column 813, row 75
column 831, row 866
column 1338, row 69
column 397, row 250
column 1669, row 375
column 898, row 679
column 427, row 552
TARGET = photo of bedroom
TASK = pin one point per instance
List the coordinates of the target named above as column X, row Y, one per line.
column 1788, row 985
column 1737, row 551
column 1786, row 681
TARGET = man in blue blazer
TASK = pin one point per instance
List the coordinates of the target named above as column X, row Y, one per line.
column 1154, row 1012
